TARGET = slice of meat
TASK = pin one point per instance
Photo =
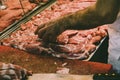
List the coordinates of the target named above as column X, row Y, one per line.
column 102, row 32
column 90, row 48
column 64, row 37
column 68, row 48
column 2, row 13
column 77, row 40
column 95, row 39
column 4, row 24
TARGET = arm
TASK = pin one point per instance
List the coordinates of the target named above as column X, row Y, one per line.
column 103, row 12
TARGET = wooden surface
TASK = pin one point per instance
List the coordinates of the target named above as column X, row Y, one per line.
column 60, row 77
column 49, row 64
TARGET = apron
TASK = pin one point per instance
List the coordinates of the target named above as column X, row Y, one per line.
column 114, row 44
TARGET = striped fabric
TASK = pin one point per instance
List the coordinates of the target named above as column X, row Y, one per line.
column 12, row 72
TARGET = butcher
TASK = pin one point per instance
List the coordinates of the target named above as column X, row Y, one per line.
column 103, row 12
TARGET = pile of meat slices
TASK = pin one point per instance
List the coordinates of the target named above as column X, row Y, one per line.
column 25, row 39
column 79, row 43
column 14, row 12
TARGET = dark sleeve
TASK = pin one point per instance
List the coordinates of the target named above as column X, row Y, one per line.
column 103, row 12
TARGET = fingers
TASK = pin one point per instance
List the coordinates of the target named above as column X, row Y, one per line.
column 13, row 72
column 48, row 37
column 41, row 32
column 22, row 72
column 46, row 33
column 40, row 27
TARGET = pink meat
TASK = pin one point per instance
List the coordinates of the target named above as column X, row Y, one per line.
column 90, row 48
column 64, row 37
column 68, row 48
column 69, row 42
column 77, row 40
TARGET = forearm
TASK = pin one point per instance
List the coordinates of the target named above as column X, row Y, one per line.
column 103, row 12
column 90, row 18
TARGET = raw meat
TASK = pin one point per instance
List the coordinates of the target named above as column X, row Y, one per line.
column 74, row 43
column 80, row 41
column 13, row 12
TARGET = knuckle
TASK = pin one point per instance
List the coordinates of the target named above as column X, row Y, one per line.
column 12, row 72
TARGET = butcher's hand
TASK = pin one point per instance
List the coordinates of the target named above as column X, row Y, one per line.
column 49, row 31
column 13, row 72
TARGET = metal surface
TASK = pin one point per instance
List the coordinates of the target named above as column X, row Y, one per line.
column 25, row 18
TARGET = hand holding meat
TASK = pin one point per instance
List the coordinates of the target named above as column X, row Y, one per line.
column 49, row 31
column 13, row 72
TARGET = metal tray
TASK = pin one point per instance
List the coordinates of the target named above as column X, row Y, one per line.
column 64, row 55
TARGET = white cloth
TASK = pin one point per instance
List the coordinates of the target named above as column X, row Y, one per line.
column 114, row 44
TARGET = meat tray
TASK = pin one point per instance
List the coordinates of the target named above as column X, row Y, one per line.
column 17, row 38
column 24, row 18
column 65, row 55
